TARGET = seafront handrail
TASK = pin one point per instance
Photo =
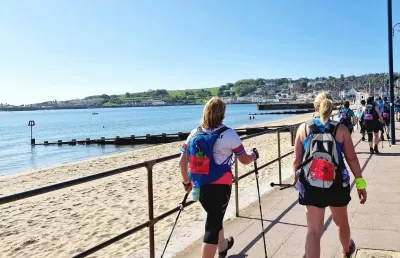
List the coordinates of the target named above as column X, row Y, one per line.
column 149, row 167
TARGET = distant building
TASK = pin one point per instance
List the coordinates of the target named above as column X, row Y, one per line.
column 152, row 102
column 352, row 92
column 361, row 95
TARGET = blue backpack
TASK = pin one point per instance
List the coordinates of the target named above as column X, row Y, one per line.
column 202, row 166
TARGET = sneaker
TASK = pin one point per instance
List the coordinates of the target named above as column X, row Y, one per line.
column 352, row 250
column 371, row 150
column 224, row 253
column 388, row 137
column 363, row 139
column 376, row 149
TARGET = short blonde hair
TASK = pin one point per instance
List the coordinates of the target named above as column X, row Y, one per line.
column 323, row 103
column 213, row 113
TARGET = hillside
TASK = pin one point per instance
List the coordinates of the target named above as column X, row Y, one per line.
column 248, row 88
column 190, row 96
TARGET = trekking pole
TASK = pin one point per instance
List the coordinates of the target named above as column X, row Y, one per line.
column 259, row 203
column 177, row 217
column 283, row 186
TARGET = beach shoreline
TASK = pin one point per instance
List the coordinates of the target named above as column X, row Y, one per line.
column 96, row 211
column 282, row 121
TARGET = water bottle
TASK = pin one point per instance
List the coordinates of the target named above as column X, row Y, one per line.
column 196, row 191
column 346, row 177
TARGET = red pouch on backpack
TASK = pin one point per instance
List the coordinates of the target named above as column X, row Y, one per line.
column 322, row 170
column 199, row 165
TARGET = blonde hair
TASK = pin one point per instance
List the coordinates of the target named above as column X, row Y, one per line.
column 323, row 103
column 213, row 113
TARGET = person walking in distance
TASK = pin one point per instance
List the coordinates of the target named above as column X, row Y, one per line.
column 379, row 104
column 322, row 178
column 346, row 116
column 205, row 165
column 372, row 118
column 386, row 117
column 360, row 118
column 397, row 108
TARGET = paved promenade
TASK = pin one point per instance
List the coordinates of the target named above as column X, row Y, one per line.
column 375, row 226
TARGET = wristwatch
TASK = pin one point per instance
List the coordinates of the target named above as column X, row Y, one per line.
column 186, row 184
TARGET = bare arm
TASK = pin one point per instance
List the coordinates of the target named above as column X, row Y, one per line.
column 349, row 151
column 245, row 158
column 298, row 147
column 183, row 166
column 379, row 113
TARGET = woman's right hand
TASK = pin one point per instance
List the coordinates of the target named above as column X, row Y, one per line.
column 362, row 195
column 187, row 186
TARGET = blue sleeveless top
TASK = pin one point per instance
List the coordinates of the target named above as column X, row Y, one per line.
column 322, row 127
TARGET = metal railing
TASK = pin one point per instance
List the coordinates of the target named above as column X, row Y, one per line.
column 149, row 167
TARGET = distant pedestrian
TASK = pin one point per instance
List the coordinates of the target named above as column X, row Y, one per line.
column 372, row 118
column 397, row 108
column 360, row 118
column 386, row 117
column 346, row 116
column 205, row 162
column 321, row 176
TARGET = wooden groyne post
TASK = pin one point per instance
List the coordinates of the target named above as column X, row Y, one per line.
column 31, row 123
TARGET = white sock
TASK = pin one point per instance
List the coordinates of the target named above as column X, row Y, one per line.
column 222, row 247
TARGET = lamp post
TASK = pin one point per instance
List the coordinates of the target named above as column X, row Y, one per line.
column 390, row 41
column 394, row 27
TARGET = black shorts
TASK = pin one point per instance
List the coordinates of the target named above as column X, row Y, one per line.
column 386, row 121
column 373, row 126
column 336, row 196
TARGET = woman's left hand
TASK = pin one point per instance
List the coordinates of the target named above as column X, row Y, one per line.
column 362, row 195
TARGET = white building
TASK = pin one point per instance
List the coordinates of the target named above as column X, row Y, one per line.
column 361, row 95
column 352, row 92
column 152, row 102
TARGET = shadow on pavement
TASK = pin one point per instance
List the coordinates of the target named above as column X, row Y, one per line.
column 259, row 236
column 277, row 220
column 267, row 220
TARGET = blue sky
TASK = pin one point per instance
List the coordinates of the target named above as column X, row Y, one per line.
column 68, row 49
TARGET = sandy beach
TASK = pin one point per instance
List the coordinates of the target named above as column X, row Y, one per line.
column 68, row 221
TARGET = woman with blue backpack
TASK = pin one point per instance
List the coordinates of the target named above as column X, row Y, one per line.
column 322, row 178
column 205, row 165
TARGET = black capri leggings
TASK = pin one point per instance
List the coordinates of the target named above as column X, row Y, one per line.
column 215, row 200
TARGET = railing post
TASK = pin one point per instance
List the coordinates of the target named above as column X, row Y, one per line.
column 236, row 186
column 279, row 156
column 149, row 168
column 292, row 134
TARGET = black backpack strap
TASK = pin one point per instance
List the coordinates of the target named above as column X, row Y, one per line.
column 333, row 127
column 222, row 129
column 313, row 128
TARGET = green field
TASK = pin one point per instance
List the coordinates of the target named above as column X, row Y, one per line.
column 174, row 93
column 170, row 95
